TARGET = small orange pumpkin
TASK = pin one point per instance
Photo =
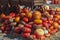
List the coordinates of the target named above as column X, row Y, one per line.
column 17, row 19
column 3, row 15
column 29, row 15
column 56, row 25
column 36, row 13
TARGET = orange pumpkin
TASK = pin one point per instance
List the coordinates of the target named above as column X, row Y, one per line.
column 17, row 19
column 38, row 21
column 56, row 25
column 36, row 13
column 29, row 15
column 37, row 17
column 3, row 15
column 58, row 16
column 58, row 9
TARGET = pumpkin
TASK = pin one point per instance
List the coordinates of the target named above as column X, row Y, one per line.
column 56, row 25
column 39, row 32
column 3, row 15
column 38, row 21
column 17, row 19
column 36, row 13
column 58, row 16
column 29, row 15
column 37, row 17
column 58, row 9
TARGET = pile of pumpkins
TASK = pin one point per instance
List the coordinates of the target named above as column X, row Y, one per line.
column 35, row 25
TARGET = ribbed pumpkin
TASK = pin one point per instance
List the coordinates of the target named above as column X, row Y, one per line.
column 38, row 21
column 17, row 19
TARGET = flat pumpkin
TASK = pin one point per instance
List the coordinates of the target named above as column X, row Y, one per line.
column 38, row 21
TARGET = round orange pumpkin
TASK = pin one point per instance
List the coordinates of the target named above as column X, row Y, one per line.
column 36, row 13
column 17, row 19
column 29, row 15
column 58, row 9
column 37, row 17
column 56, row 25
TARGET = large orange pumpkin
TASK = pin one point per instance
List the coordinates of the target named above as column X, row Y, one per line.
column 38, row 21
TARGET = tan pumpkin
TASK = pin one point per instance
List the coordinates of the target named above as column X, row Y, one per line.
column 39, row 32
